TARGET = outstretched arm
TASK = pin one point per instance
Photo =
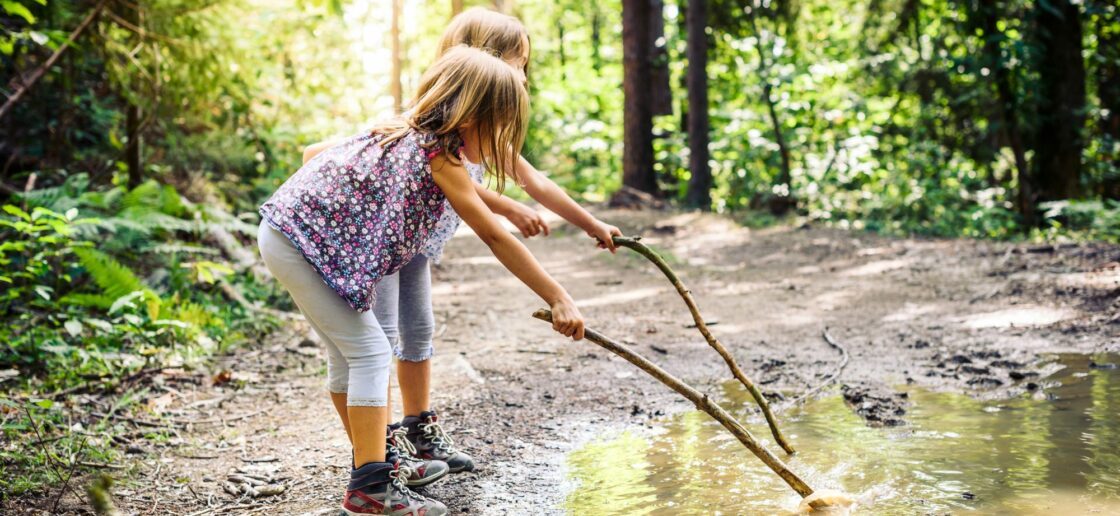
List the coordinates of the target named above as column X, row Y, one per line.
column 527, row 220
column 556, row 199
column 459, row 189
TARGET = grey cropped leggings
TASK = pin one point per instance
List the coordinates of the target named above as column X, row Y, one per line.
column 359, row 344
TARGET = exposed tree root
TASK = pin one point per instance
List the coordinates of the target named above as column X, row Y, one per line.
column 832, row 378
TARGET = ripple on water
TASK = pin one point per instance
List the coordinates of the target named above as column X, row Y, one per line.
column 1021, row 456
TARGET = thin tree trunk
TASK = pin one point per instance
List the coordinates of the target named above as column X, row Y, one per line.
column 596, row 36
column 456, row 7
column 133, row 151
column 784, row 174
column 661, row 100
column 1007, row 112
column 1108, row 90
column 395, row 71
column 637, row 160
column 1061, row 107
column 560, row 47
column 700, row 174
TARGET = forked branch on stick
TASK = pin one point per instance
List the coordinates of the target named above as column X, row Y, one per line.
column 633, row 244
column 701, row 401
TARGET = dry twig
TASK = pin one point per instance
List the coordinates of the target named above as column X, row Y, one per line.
column 686, row 294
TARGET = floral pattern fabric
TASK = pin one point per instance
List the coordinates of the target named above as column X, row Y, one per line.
column 449, row 222
column 359, row 212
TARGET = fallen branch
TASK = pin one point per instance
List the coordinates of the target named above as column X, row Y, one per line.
column 686, row 294
column 832, row 378
column 701, row 401
column 49, row 63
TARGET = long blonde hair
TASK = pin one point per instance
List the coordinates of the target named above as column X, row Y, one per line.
column 469, row 89
column 479, row 27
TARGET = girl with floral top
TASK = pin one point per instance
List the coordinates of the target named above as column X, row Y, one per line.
column 365, row 209
column 404, row 308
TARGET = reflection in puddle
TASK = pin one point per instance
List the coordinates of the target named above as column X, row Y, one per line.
column 1021, row 456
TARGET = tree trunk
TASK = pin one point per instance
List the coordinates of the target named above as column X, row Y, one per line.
column 1108, row 91
column 784, row 174
column 133, row 120
column 596, row 37
column 1007, row 112
column 700, row 180
column 395, row 70
column 560, row 47
column 1058, row 145
column 637, row 159
column 456, row 7
column 662, row 95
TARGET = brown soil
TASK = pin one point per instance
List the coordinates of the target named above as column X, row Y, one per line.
column 961, row 315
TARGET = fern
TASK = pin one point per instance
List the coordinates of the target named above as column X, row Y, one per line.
column 147, row 196
column 115, row 279
column 88, row 300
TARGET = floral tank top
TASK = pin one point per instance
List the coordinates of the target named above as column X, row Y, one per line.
column 450, row 220
column 359, row 212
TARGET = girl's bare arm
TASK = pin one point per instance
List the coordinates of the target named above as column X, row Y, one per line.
column 556, row 199
column 459, row 189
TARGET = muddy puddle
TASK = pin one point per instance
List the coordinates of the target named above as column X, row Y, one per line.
column 1056, row 451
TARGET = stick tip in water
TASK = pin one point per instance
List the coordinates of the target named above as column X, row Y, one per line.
column 827, row 501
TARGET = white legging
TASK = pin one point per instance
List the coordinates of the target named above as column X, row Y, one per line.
column 358, row 352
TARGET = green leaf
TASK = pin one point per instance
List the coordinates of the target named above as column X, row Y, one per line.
column 115, row 279
column 125, row 301
column 14, row 210
column 17, row 9
column 46, row 404
column 104, row 326
column 73, row 327
column 44, row 292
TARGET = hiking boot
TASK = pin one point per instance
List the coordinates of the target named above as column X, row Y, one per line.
column 431, row 442
column 423, row 472
column 378, row 488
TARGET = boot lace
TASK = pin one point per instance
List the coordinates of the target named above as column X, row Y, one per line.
column 435, row 433
column 399, row 475
column 402, row 444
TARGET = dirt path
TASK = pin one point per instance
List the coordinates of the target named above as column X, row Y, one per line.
column 944, row 314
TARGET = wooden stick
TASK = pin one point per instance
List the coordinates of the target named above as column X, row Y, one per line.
column 42, row 69
column 701, row 401
column 686, row 294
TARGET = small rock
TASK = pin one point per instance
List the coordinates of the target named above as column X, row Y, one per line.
column 968, row 496
column 985, row 381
